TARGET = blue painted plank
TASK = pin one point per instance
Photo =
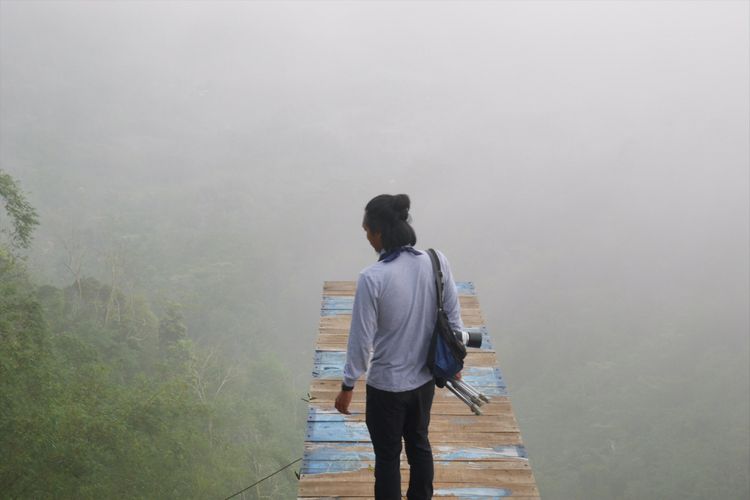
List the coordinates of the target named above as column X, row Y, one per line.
column 330, row 365
column 320, row 415
column 330, row 466
column 347, row 452
column 316, row 414
column 330, row 358
column 465, row 288
column 328, row 371
column 334, row 312
column 487, row 344
column 341, row 431
column 312, row 467
column 487, row 379
column 337, row 303
column 473, row 493
column 491, row 392
column 353, row 452
column 483, row 376
column 443, row 452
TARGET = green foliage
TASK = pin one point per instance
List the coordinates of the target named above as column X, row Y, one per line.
column 23, row 216
column 93, row 405
column 24, row 376
column 105, row 395
column 172, row 329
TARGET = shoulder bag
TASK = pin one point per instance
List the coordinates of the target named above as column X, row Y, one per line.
column 445, row 357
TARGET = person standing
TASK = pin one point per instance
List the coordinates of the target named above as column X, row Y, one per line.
column 394, row 315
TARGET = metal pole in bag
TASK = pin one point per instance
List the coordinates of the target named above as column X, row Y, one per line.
column 463, row 398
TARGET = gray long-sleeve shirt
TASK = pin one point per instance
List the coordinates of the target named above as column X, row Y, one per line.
column 394, row 314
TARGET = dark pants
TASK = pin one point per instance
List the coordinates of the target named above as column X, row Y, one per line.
column 391, row 415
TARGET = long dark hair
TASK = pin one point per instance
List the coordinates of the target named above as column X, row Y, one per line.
column 388, row 215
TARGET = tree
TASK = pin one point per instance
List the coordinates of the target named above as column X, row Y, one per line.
column 23, row 216
column 171, row 327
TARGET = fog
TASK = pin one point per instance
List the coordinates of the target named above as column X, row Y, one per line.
column 585, row 164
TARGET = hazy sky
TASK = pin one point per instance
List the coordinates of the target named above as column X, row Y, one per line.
column 559, row 116
column 543, row 143
column 547, row 146
column 596, row 132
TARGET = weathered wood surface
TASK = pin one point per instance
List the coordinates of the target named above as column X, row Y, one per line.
column 476, row 457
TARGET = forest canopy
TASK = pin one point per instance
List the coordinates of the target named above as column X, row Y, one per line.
column 104, row 395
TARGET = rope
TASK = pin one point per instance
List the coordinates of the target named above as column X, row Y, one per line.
column 260, row 481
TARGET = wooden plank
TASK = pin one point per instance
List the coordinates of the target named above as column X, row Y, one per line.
column 342, row 334
column 447, row 468
column 352, row 452
column 478, row 376
column 349, row 287
column 340, row 285
column 343, row 331
column 330, row 364
column 494, row 387
column 341, row 319
column 468, row 301
column 346, row 302
column 443, row 398
column 453, row 407
column 326, row 394
column 336, row 339
column 454, row 472
column 356, row 432
column 473, row 358
column 445, row 407
column 438, row 422
column 337, row 343
column 441, row 494
column 313, row 486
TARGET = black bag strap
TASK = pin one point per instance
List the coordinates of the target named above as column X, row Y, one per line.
column 438, row 273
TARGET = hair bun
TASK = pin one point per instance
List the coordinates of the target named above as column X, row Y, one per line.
column 401, row 204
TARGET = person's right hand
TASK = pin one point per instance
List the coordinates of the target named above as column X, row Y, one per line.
column 457, row 376
column 343, row 400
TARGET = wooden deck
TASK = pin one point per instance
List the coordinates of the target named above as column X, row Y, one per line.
column 475, row 456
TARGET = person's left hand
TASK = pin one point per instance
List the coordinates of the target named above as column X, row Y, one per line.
column 343, row 400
